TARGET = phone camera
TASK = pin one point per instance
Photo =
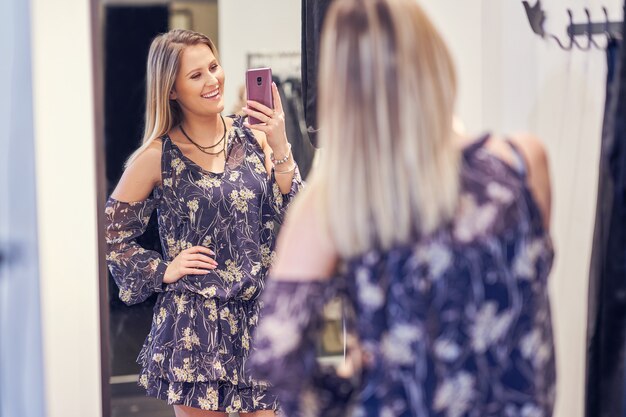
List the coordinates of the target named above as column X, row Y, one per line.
column 259, row 80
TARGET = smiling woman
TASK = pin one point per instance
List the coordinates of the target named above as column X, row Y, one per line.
column 217, row 197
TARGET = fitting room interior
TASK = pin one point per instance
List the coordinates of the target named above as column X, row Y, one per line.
column 74, row 97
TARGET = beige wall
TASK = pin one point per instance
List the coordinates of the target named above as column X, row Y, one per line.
column 205, row 17
column 66, row 206
column 460, row 25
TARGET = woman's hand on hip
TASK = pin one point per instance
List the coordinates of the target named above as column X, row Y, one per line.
column 273, row 122
column 193, row 261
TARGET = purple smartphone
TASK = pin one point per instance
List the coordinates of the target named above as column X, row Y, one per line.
column 259, row 88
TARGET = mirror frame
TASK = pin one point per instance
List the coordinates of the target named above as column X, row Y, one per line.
column 98, row 94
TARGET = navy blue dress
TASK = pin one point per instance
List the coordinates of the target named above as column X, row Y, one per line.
column 455, row 324
column 200, row 337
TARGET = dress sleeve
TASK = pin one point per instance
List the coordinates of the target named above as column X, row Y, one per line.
column 284, row 350
column 280, row 201
column 138, row 272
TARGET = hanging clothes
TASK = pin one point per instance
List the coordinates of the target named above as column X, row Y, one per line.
column 313, row 13
column 290, row 91
column 606, row 325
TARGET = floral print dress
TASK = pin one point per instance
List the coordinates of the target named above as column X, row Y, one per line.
column 456, row 324
column 200, row 337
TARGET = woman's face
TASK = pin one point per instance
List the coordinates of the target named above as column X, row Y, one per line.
column 199, row 84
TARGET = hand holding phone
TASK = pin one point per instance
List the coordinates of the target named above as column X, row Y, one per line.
column 265, row 110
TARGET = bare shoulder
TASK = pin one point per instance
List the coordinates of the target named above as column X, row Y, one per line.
column 141, row 176
column 536, row 158
column 533, row 148
column 305, row 250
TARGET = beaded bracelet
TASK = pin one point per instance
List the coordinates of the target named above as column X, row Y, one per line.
column 285, row 159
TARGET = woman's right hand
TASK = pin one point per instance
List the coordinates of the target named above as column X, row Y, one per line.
column 192, row 261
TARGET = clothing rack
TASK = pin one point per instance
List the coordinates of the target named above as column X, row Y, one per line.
column 283, row 64
column 537, row 16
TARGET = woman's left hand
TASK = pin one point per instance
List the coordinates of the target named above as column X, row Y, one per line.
column 272, row 122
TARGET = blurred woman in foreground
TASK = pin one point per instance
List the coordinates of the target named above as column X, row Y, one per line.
column 440, row 242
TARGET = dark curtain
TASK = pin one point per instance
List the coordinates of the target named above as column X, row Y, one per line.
column 129, row 31
column 313, row 13
column 606, row 328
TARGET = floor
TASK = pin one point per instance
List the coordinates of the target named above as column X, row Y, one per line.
column 128, row 400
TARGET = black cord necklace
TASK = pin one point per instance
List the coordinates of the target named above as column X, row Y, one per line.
column 205, row 149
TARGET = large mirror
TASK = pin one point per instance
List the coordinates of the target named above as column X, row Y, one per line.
column 248, row 34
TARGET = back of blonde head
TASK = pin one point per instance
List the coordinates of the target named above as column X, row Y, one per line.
column 162, row 114
column 389, row 167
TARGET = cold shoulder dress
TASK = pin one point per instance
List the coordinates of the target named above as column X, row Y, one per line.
column 453, row 324
column 195, row 353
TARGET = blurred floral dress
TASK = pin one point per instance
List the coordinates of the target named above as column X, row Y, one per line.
column 456, row 324
column 200, row 336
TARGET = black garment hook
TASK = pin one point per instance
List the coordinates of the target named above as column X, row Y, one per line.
column 536, row 18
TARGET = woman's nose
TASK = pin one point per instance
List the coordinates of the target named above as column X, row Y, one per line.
column 211, row 80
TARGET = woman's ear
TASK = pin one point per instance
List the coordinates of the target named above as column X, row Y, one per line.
column 173, row 95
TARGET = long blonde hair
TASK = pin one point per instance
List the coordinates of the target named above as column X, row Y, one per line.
column 389, row 167
column 162, row 114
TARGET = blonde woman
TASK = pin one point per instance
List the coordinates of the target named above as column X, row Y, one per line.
column 439, row 242
column 218, row 188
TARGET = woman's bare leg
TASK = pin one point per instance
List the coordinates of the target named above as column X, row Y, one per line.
column 184, row 411
column 260, row 413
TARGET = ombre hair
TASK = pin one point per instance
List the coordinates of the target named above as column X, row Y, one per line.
column 162, row 114
column 389, row 165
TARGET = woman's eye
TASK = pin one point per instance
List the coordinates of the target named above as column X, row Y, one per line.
column 195, row 76
column 214, row 67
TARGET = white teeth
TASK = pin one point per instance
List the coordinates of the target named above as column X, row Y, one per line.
column 211, row 95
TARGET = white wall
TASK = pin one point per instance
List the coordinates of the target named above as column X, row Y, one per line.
column 460, row 24
column 511, row 80
column 66, row 206
column 254, row 26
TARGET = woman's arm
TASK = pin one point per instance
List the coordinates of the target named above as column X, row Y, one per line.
column 284, row 186
column 272, row 138
column 535, row 156
column 538, row 173
column 305, row 250
column 140, row 178
column 138, row 272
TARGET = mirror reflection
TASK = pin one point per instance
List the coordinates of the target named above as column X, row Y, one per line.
column 209, row 138
column 195, row 200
